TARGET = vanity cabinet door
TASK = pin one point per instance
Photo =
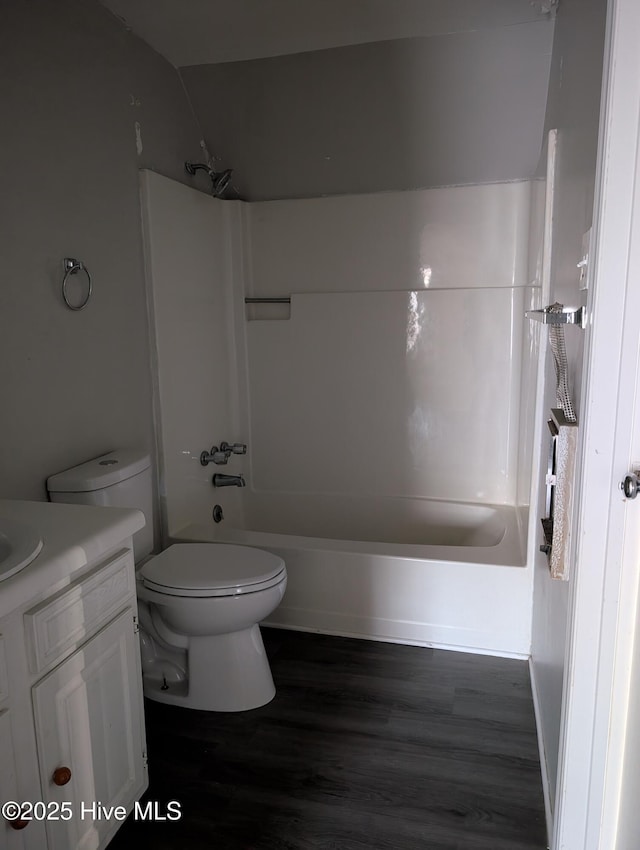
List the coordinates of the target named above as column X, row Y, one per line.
column 88, row 716
column 9, row 837
column 19, row 834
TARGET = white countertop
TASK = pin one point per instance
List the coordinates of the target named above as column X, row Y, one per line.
column 73, row 537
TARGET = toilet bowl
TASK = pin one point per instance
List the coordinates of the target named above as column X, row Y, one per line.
column 205, row 600
column 199, row 603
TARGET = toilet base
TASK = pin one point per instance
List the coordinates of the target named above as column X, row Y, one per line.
column 228, row 672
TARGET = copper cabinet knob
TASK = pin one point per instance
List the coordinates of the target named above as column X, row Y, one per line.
column 61, row 775
column 18, row 823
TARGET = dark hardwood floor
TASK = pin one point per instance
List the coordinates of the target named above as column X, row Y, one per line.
column 366, row 746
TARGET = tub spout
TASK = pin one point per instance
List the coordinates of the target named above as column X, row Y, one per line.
column 220, row 480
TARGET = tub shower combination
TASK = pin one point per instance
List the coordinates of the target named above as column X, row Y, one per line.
column 351, row 390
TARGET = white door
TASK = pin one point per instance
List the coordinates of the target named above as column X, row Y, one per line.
column 88, row 720
column 599, row 671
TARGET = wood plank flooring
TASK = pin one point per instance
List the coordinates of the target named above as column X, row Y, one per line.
column 366, row 746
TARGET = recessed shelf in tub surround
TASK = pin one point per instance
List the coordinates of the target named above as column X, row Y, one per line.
column 267, row 308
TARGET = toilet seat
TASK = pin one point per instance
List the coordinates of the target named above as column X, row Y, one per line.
column 212, row 570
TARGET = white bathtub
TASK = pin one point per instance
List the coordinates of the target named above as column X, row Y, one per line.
column 417, row 571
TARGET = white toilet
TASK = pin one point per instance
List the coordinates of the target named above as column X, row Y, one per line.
column 200, row 603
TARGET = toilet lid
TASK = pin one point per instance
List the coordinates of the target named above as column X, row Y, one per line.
column 212, row 569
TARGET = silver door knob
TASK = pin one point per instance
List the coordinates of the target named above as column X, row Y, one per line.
column 630, row 486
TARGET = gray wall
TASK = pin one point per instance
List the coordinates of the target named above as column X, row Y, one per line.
column 423, row 112
column 202, row 32
column 74, row 85
column 573, row 108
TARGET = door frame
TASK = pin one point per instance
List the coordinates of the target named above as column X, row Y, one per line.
column 603, row 594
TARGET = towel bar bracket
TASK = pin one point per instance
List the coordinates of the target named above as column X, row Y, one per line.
column 569, row 316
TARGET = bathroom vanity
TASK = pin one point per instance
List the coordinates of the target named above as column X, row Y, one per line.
column 72, row 743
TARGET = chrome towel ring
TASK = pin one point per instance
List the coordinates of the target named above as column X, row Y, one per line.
column 73, row 266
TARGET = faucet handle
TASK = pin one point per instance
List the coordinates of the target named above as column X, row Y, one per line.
column 216, row 455
column 234, row 448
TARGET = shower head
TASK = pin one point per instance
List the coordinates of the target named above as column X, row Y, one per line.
column 219, row 179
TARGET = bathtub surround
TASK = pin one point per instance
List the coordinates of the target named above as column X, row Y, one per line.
column 85, row 104
column 356, row 432
column 433, row 374
column 190, row 261
column 470, row 236
column 407, row 316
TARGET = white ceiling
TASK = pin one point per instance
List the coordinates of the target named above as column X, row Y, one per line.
column 200, row 32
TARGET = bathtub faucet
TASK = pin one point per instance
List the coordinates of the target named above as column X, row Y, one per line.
column 221, row 455
column 220, row 480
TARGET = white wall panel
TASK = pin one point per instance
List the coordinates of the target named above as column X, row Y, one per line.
column 389, row 393
column 396, row 391
column 404, row 377
column 465, row 236
column 187, row 237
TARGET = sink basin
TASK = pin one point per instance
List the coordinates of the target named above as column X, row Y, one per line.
column 19, row 545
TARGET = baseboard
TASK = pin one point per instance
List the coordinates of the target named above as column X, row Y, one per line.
column 546, row 786
column 371, row 631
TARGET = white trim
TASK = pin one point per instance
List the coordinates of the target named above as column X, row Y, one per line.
column 621, row 587
column 540, row 445
column 387, row 630
column 279, row 623
column 601, row 601
column 158, row 465
column 544, row 765
column 549, row 201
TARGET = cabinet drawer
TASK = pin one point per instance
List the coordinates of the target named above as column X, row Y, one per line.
column 63, row 621
column 4, row 685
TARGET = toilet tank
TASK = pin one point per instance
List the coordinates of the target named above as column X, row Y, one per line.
column 120, row 479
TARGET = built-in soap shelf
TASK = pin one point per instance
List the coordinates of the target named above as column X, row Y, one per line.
column 263, row 308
